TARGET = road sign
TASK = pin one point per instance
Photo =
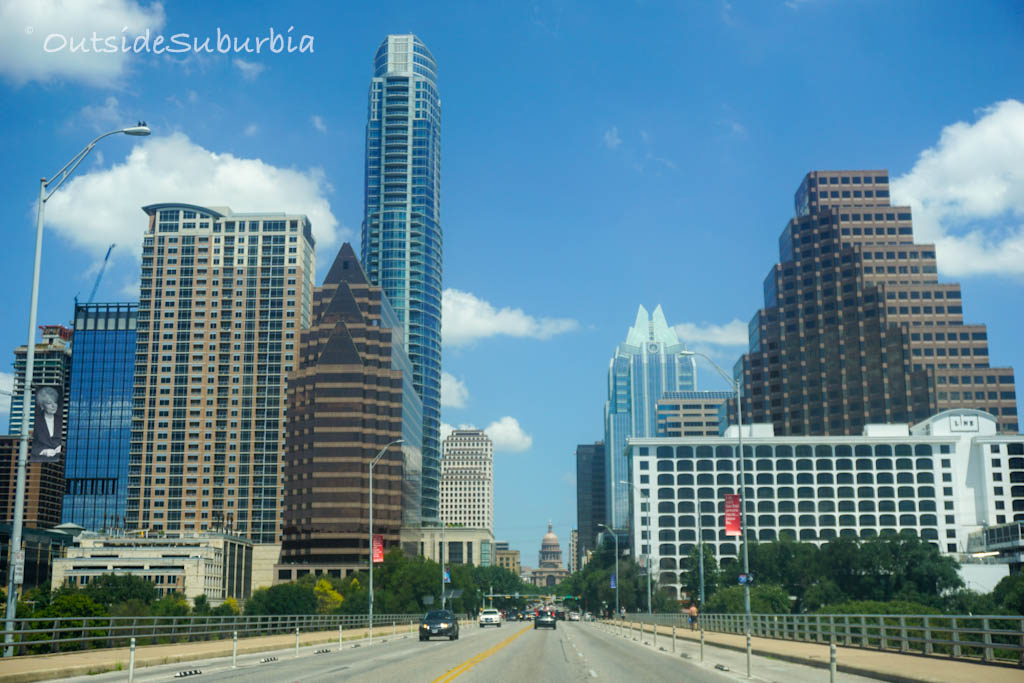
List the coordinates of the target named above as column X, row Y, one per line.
column 19, row 567
column 746, row 579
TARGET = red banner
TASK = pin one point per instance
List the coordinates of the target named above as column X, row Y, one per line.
column 378, row 548
column 732, row 514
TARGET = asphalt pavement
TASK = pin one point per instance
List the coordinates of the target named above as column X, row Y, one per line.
column 573, row 652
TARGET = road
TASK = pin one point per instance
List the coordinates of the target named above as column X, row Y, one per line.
column 573, row 652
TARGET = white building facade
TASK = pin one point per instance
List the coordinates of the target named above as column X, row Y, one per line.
column 942, row 478
column 467, row 479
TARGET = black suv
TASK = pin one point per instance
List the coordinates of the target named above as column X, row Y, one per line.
column 545, row 619
column 439, row 622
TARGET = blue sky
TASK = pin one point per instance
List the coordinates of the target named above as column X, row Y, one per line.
column 596, row 156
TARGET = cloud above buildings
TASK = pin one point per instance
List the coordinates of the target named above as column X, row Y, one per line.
column 611, row 138
column 250, row 70
column 28, row 50
column 967, row 194
column 506, row 433
column 454, row 393
column 467, row 319
column 102, row 207
column 318, row 123
column 733, row 333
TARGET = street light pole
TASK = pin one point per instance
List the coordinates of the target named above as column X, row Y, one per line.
column 372, row 463
column 45, row 192
column 615, row 538
column 650, row 541
column 737, row 388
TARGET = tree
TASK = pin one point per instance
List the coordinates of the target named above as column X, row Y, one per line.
column 284, row 598
column 712, row 575
column 763, row 600
column 171, row 605
column 1009, row 593
column 201, row 605
column 328, row 600
column 110, row 589
column 823, row 592
column 227, row 608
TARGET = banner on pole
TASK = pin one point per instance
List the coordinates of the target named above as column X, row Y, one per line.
column 48, row 429
column 613, row 581
column 732, row 514
column 378, row 548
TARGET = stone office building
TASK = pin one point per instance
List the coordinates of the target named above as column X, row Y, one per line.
column 942, row 479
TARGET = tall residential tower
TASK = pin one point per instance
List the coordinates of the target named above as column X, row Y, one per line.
column 401, row 235
column 467, row 479
column 222, row 299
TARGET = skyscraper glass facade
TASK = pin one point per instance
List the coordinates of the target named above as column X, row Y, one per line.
column 401, row 232
column 100, row 415
column 643, row 368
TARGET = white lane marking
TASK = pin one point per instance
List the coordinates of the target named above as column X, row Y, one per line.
column 593, row 674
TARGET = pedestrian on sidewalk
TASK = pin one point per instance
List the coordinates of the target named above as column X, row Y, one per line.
column 694, row 615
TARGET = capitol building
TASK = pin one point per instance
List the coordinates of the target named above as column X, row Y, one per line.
column 549, row 572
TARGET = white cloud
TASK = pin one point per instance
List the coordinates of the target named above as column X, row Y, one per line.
column 611, row 138
column 103, row 206
column 130, row 289
column 7, row 384
column 105, row 117
column 252, row 129
column 465, row 319
column 733, row 333
column 193, row 97
column 967, row 194
column 454, row 393
column 318, row 123
column 32, row 33
column 250, row 70
column 506, row 433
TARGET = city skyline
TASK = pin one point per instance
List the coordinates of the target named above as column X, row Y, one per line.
column 621, row 158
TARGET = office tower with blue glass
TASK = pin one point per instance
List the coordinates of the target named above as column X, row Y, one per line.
column 401, row 235
column 100, row 415
column 644, row 367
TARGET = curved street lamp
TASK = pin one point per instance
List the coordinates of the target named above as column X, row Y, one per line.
column 372, row 463
column 46, row 190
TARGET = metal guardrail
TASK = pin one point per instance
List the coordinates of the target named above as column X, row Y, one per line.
column 988, row 638
column 42, row 635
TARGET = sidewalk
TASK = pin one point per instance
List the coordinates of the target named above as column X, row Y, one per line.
column 63, row 665
column 889, row 666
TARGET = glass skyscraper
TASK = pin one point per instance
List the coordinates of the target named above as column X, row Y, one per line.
column 644, row 367
column 401, row 235
column 100, row 415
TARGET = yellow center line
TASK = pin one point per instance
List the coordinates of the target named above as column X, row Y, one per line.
column 470, row 663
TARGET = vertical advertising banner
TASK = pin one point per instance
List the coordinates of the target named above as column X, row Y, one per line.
column 378, row 548
column 732, row 514
column 48, row 428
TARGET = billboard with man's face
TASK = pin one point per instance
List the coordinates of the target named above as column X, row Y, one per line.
column 48, row 430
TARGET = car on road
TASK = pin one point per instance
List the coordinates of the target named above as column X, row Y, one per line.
column 545, row 619
column 574, row 616
column 439, row 622
column 490, row 617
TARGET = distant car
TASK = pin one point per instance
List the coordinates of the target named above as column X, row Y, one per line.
column 574, row 616
column 528, row 616
column 490, row 617
column 439, row 622
column 545, row 619
column 560, row 615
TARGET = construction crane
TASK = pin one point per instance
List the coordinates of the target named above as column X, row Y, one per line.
column 99, row 275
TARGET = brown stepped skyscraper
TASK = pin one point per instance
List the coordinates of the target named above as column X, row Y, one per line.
column 856, row 326
column 345, row 403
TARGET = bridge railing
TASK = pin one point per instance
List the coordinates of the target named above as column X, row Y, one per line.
column 988, row 638
column 42, row 635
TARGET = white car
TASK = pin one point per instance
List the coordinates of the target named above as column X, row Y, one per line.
column 490, row 617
